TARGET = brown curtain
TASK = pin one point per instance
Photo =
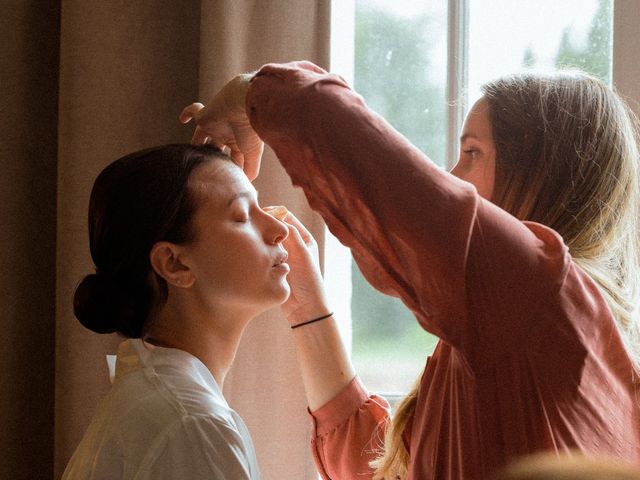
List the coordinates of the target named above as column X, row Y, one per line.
column 626, row 42
column 29, row 38
column 83, row 83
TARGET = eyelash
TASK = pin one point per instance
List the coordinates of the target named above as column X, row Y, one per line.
column 241, row 217
column 470, row 151
column 243, row 214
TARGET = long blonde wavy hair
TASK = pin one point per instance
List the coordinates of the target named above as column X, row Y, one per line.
column 566, row 157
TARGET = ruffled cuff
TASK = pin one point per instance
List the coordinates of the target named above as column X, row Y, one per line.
column 338, row 410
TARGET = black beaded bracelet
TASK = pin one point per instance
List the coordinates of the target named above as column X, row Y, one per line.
column 311, row 321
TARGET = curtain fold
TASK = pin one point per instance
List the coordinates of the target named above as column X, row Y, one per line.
column 29, row 33
column 125, row 71
column 626, row 73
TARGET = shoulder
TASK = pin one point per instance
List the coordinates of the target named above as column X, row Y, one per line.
column 202, row 446
column 191, row 395
column 523, row 287
column 167, row 395
column 229, row 429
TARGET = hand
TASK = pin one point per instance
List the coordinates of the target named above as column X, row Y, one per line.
column 308, row 299
column 224, row 122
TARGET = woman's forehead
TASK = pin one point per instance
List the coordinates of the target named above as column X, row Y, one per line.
column 478, row 121
column 221, row 182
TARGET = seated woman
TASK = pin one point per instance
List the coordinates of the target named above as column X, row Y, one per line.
column 185, row 258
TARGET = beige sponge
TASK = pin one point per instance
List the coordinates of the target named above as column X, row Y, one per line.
column 280, row 211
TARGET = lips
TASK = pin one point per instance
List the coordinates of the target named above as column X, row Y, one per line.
column 280, row 259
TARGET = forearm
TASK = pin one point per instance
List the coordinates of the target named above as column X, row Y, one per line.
column 324, row 363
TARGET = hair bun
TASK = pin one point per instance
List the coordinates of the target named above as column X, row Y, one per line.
column 102, row 305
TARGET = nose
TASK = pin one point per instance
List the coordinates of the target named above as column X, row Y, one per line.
column 455, row 170
column 276, row 231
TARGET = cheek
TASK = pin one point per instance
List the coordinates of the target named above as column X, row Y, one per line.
column 484, row 179
column 458, row 170
column 479, row 174
column 242, row 262
column 490, row 175
column 464, row 170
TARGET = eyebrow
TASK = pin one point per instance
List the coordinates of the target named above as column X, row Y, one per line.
column 467, row 136
column 244, row 194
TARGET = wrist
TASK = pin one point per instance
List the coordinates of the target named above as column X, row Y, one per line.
column 313, row 320
column 235, row 92
column 306, row 313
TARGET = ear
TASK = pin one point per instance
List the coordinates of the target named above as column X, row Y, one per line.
column 166, row 261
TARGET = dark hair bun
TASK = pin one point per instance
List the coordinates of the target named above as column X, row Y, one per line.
column 136, row 201
column 104, row 305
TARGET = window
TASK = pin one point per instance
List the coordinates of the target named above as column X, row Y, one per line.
column 420, row 65
column 507, row 37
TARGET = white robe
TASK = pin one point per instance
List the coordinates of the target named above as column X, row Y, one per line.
column 164, row 418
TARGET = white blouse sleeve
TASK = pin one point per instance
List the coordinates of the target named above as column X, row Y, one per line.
column 201, row 447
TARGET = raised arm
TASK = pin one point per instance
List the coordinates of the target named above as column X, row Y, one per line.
column 469, row 271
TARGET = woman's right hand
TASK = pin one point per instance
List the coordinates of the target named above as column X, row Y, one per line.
column 322, row 357
column 308, row 299
column 224, row 122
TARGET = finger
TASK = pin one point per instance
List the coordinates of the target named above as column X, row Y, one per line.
column 294, row 239
column 296, row 244
column 277, row 211
column 199, row 137
column 292, row 220
column 253, row 161
column 237, row 156
column 258, row 162
column 190, row 111
column 251, row 146
column 218, row 134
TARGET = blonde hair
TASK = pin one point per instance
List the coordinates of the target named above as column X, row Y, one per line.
column 394, row 458
column 566, row 157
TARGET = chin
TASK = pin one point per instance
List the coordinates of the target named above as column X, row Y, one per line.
column 275, row 296
column 284, row 293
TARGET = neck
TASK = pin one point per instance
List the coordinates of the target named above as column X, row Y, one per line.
column 212, row 337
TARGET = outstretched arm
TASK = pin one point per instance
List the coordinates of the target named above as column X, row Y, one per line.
column 470, row 272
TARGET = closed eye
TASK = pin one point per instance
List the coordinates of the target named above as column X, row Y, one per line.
column 471, row 152
column 240, row 217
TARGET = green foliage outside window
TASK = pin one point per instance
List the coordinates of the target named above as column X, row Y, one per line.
column 392, row 70
column 594, row 56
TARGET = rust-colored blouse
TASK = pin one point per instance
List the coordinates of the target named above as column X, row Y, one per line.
column 529, row 359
